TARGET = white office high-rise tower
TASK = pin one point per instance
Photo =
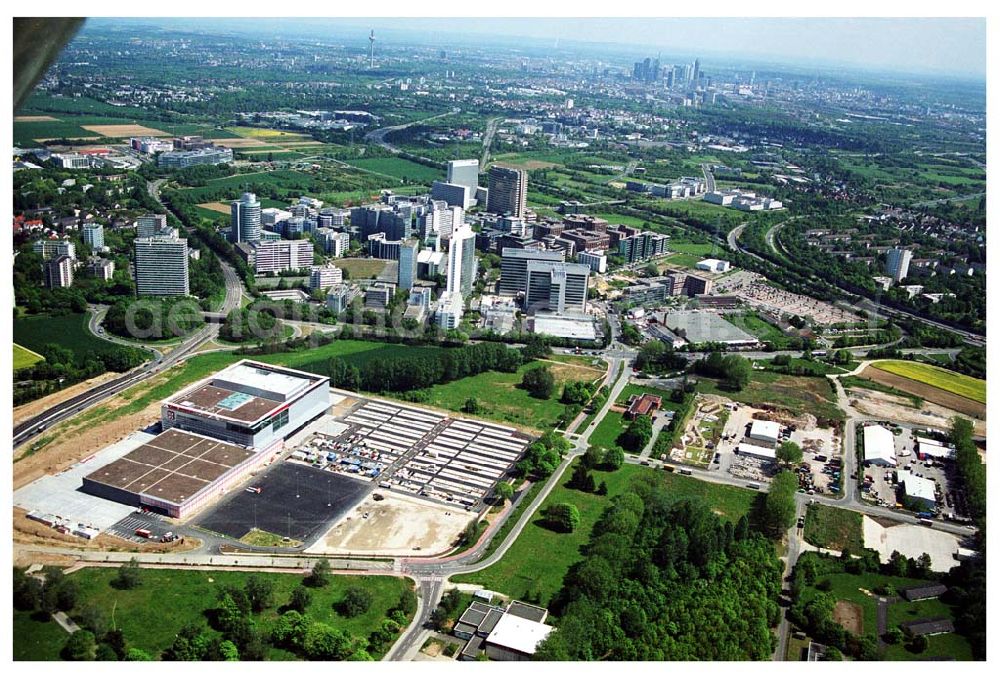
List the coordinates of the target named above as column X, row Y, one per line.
column 245, row 219
column 462, row 260
column 464, row 172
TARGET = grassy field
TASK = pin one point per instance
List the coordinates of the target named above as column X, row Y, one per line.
column 400, row 168
column 35, row 639
column 361, row 268
column 152, row 614
column 500, row 398
column 25, row 358
column 608, row 430
column 614, row 423
column 69, row 331
column 700, row 249
column 540, row 558
column 758, row 327
column 537, row 562
column 833, row 528
column 283, row 179
column 798, row 395
column 948, row 380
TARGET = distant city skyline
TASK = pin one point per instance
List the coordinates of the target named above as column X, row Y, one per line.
column 934, row 46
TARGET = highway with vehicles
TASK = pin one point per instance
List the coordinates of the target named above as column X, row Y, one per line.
column 377, row 136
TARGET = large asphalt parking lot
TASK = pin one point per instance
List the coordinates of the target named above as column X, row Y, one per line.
column 295, row 501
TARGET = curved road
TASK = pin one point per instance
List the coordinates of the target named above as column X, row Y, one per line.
column 71, row 407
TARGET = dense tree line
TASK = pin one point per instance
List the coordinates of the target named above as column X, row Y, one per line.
column 62, row 368
column 256, row 323
column 667, row 580
column 403, row 371
column 971, row 469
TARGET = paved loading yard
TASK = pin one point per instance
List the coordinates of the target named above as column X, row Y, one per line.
column 418, row 452
column 294, row 501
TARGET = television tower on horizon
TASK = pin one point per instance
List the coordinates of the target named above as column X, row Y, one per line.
column 371, row 49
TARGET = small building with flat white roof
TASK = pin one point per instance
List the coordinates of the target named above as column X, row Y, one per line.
column 765, row 431
column 756, row 451
column 515, row 638
column 880, row 446
column 919, row 489
column 934, row 451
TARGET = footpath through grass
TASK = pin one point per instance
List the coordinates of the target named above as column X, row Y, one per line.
column 534, row 566
column 948, row 380
column 151, row 615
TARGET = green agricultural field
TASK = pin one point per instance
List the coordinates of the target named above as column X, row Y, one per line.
column 69, row 331
column 535, row 565
column 796, row 394
column 26, row 133
column 25, row 358
column 948, row 380
column 151, row 615
column 833, row 528
column 400, row 168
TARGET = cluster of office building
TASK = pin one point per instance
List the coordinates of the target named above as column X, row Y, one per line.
column 682, row 188
column 192, row 151
column 742, row 200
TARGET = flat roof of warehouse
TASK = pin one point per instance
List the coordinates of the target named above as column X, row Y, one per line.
column 244, row 392
column 879, row 444
column 173, row 466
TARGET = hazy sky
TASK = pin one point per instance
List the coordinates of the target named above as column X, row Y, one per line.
column 913, row 45
column 916, row 45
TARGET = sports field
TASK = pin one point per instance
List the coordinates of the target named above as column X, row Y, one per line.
column 948, row 380
column 25, row 358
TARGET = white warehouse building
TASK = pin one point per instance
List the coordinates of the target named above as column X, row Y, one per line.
column 251, row 404
column 880, row 446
